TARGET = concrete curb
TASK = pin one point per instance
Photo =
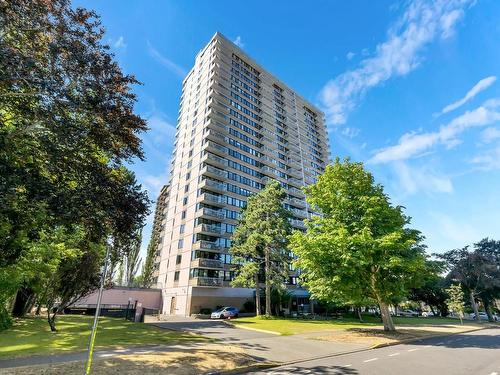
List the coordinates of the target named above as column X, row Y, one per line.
column 246, row 369
column 242, row 326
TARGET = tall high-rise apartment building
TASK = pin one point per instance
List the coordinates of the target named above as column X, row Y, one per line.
column 238, row 127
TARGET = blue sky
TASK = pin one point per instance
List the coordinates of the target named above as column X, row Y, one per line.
column 410, row 88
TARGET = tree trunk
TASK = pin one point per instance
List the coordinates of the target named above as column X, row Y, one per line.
column 52, row 320
column 257, row 295
column 268, row 282
column 360, row 317
column 474, row 305
column 432, row 310
column 386, row 317
column 487, row 308
column 23, row 302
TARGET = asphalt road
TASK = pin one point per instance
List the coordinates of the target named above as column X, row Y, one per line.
column 474, row 353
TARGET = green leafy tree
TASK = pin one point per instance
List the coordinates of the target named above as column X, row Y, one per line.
column 359, row 247
column 432, row 292
column 260, row 241
column 67, row 130
column 132, row 257
column 455, row 301
column 148, row 265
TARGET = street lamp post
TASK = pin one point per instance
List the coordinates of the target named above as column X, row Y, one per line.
column 97, row 312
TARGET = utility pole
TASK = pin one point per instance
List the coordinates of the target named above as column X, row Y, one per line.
column 97, row 312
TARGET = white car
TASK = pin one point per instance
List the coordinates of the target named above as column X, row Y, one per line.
column 427, row 314
column 483, row 316
column 408, row 313
column 225, row 312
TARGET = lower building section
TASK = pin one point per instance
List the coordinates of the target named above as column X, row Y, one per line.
column 194, row 300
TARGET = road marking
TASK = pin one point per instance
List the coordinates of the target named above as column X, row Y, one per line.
column 494, row 373
column 370, row 360
column 349, row 365
column 394, row 354
column 412, row 350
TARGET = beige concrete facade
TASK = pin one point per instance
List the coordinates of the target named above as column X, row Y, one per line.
column 238, row 127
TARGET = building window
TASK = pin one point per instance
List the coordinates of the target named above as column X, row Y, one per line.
column 176, row 275
column 186, row 188
column 178, row 259
column 182, row 228
column 183, row 215
column 180, row 244
column 185, row 201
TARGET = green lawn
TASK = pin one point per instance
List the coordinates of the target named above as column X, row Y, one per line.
column 32, row 336
column 293, row 326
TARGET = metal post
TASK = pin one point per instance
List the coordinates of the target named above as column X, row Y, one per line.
column 97, row 312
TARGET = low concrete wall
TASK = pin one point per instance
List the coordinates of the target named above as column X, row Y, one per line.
column 146, row 298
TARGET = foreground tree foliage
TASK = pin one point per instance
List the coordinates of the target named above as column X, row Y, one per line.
column 260, row 241
column 359, row 247
column 67, row 128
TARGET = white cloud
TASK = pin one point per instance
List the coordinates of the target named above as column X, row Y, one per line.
column 350, row 132
column 120, row 43
column 423, row 22
column 350, row 55
column 413, row 144
column 478, row 87
column 239, row 42
column 488, row 160
column 169, row 64
column 490, row 134
column 411, row 180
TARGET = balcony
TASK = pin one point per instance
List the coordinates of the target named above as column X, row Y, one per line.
column 295, row 182
column 297, row 223
column 215, row 159
column 206, row 245
column 300, row 213
column 216, row 148
column 214, row 172
column 216, row 136
column 210, row 212
column 293, row 190
column 207, row 263
column 213, row 185
column 212, row 199
column 298, row 202
column 295, row 173
column 206, row 281
column 208, row 228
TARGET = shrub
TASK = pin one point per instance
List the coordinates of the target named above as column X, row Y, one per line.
column 5, row 318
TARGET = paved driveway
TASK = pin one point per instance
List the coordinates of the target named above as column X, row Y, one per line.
column 261, row 345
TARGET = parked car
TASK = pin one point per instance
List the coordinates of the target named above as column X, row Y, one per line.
column 484, row 316
column 427, row 314
column 408, row 313
column 225, row 312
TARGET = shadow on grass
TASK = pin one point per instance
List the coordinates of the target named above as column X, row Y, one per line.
column 32, row 336
column 185, row 362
